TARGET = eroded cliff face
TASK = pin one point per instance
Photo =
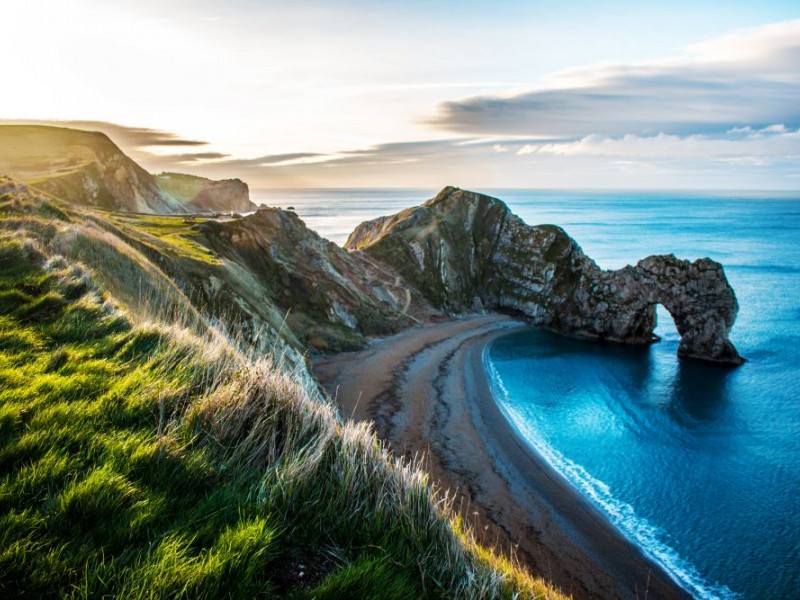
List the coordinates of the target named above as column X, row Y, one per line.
column 325, row 297
column 466, row 251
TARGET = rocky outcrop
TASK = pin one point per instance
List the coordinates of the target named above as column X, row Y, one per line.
column 83, row 168
column 199, row 194
column 620, row 305
column 465, row 251
column 266, row 279
column 329, row 299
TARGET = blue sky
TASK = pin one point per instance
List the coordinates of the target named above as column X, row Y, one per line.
column 388, row 93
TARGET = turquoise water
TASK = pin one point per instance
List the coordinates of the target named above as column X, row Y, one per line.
column 697, row 464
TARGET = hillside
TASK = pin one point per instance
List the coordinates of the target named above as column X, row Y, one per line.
column 144, row 453
column 199, row 194
column 81, row 167
column 86, row 168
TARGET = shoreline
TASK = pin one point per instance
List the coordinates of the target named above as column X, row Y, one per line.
column 414, row 385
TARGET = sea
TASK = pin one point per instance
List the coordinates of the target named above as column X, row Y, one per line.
column 697, row 464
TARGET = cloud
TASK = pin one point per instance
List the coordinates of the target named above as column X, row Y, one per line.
column 135, row 137
column 772, row 141
column 194, row 157
column 743, row 157
column 749, row 78
column 381, row 153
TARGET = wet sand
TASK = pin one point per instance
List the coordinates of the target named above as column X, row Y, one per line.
column 427, row 391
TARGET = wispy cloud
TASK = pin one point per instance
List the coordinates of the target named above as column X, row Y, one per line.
column 194, row 157
column 750, row 78
column 772, row 141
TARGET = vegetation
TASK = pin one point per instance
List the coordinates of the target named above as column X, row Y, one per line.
column 172, row 234
column 24, row 156
column 144, row 458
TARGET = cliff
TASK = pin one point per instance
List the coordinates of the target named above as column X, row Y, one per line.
column 329, row 298
column 199, row 194
column 83, row 168
column 466, row 251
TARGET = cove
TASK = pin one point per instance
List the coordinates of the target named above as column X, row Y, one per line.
column 670, row 451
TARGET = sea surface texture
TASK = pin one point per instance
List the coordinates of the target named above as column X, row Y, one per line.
column 698, row 464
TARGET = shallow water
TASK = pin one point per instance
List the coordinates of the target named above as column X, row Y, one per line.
column 696, row 463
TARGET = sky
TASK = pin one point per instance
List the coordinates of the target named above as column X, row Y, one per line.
column 385, row 93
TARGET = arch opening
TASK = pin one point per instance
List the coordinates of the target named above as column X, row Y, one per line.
column 665, row 327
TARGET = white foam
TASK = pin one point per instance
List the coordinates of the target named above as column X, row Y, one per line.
column 622, row 515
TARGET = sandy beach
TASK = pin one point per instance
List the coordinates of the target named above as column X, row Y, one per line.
column 427, row 392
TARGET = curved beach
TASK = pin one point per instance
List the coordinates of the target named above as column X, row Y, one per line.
column 428, row 393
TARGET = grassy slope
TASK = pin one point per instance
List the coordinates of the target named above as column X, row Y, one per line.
column 81, row 167
column 25, row 157
column 175, row 233
column 142, row 459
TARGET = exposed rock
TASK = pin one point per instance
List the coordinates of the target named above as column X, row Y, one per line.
column 330, row 299
column 84, row 168
column 464, row 250
column 620, row 305
column 199, row 194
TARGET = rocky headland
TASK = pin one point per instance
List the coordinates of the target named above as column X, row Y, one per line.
column 199, row 194
column 468, row 252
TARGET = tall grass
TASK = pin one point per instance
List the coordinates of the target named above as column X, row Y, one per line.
column 142, row 459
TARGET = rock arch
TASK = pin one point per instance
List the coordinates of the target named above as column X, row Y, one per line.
column 621, row 305
column 701, row 301
column 462, row 250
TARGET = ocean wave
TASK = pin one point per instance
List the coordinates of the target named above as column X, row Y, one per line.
column 622, row 515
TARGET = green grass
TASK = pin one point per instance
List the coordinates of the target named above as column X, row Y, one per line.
column 96, row 495
column 173, row 234
column 139, row 459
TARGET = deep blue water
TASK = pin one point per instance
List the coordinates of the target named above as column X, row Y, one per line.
column 696, row 463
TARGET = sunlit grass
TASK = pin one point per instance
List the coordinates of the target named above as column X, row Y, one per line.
column 174, row 232
column 96, row 496
column 142, row 459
